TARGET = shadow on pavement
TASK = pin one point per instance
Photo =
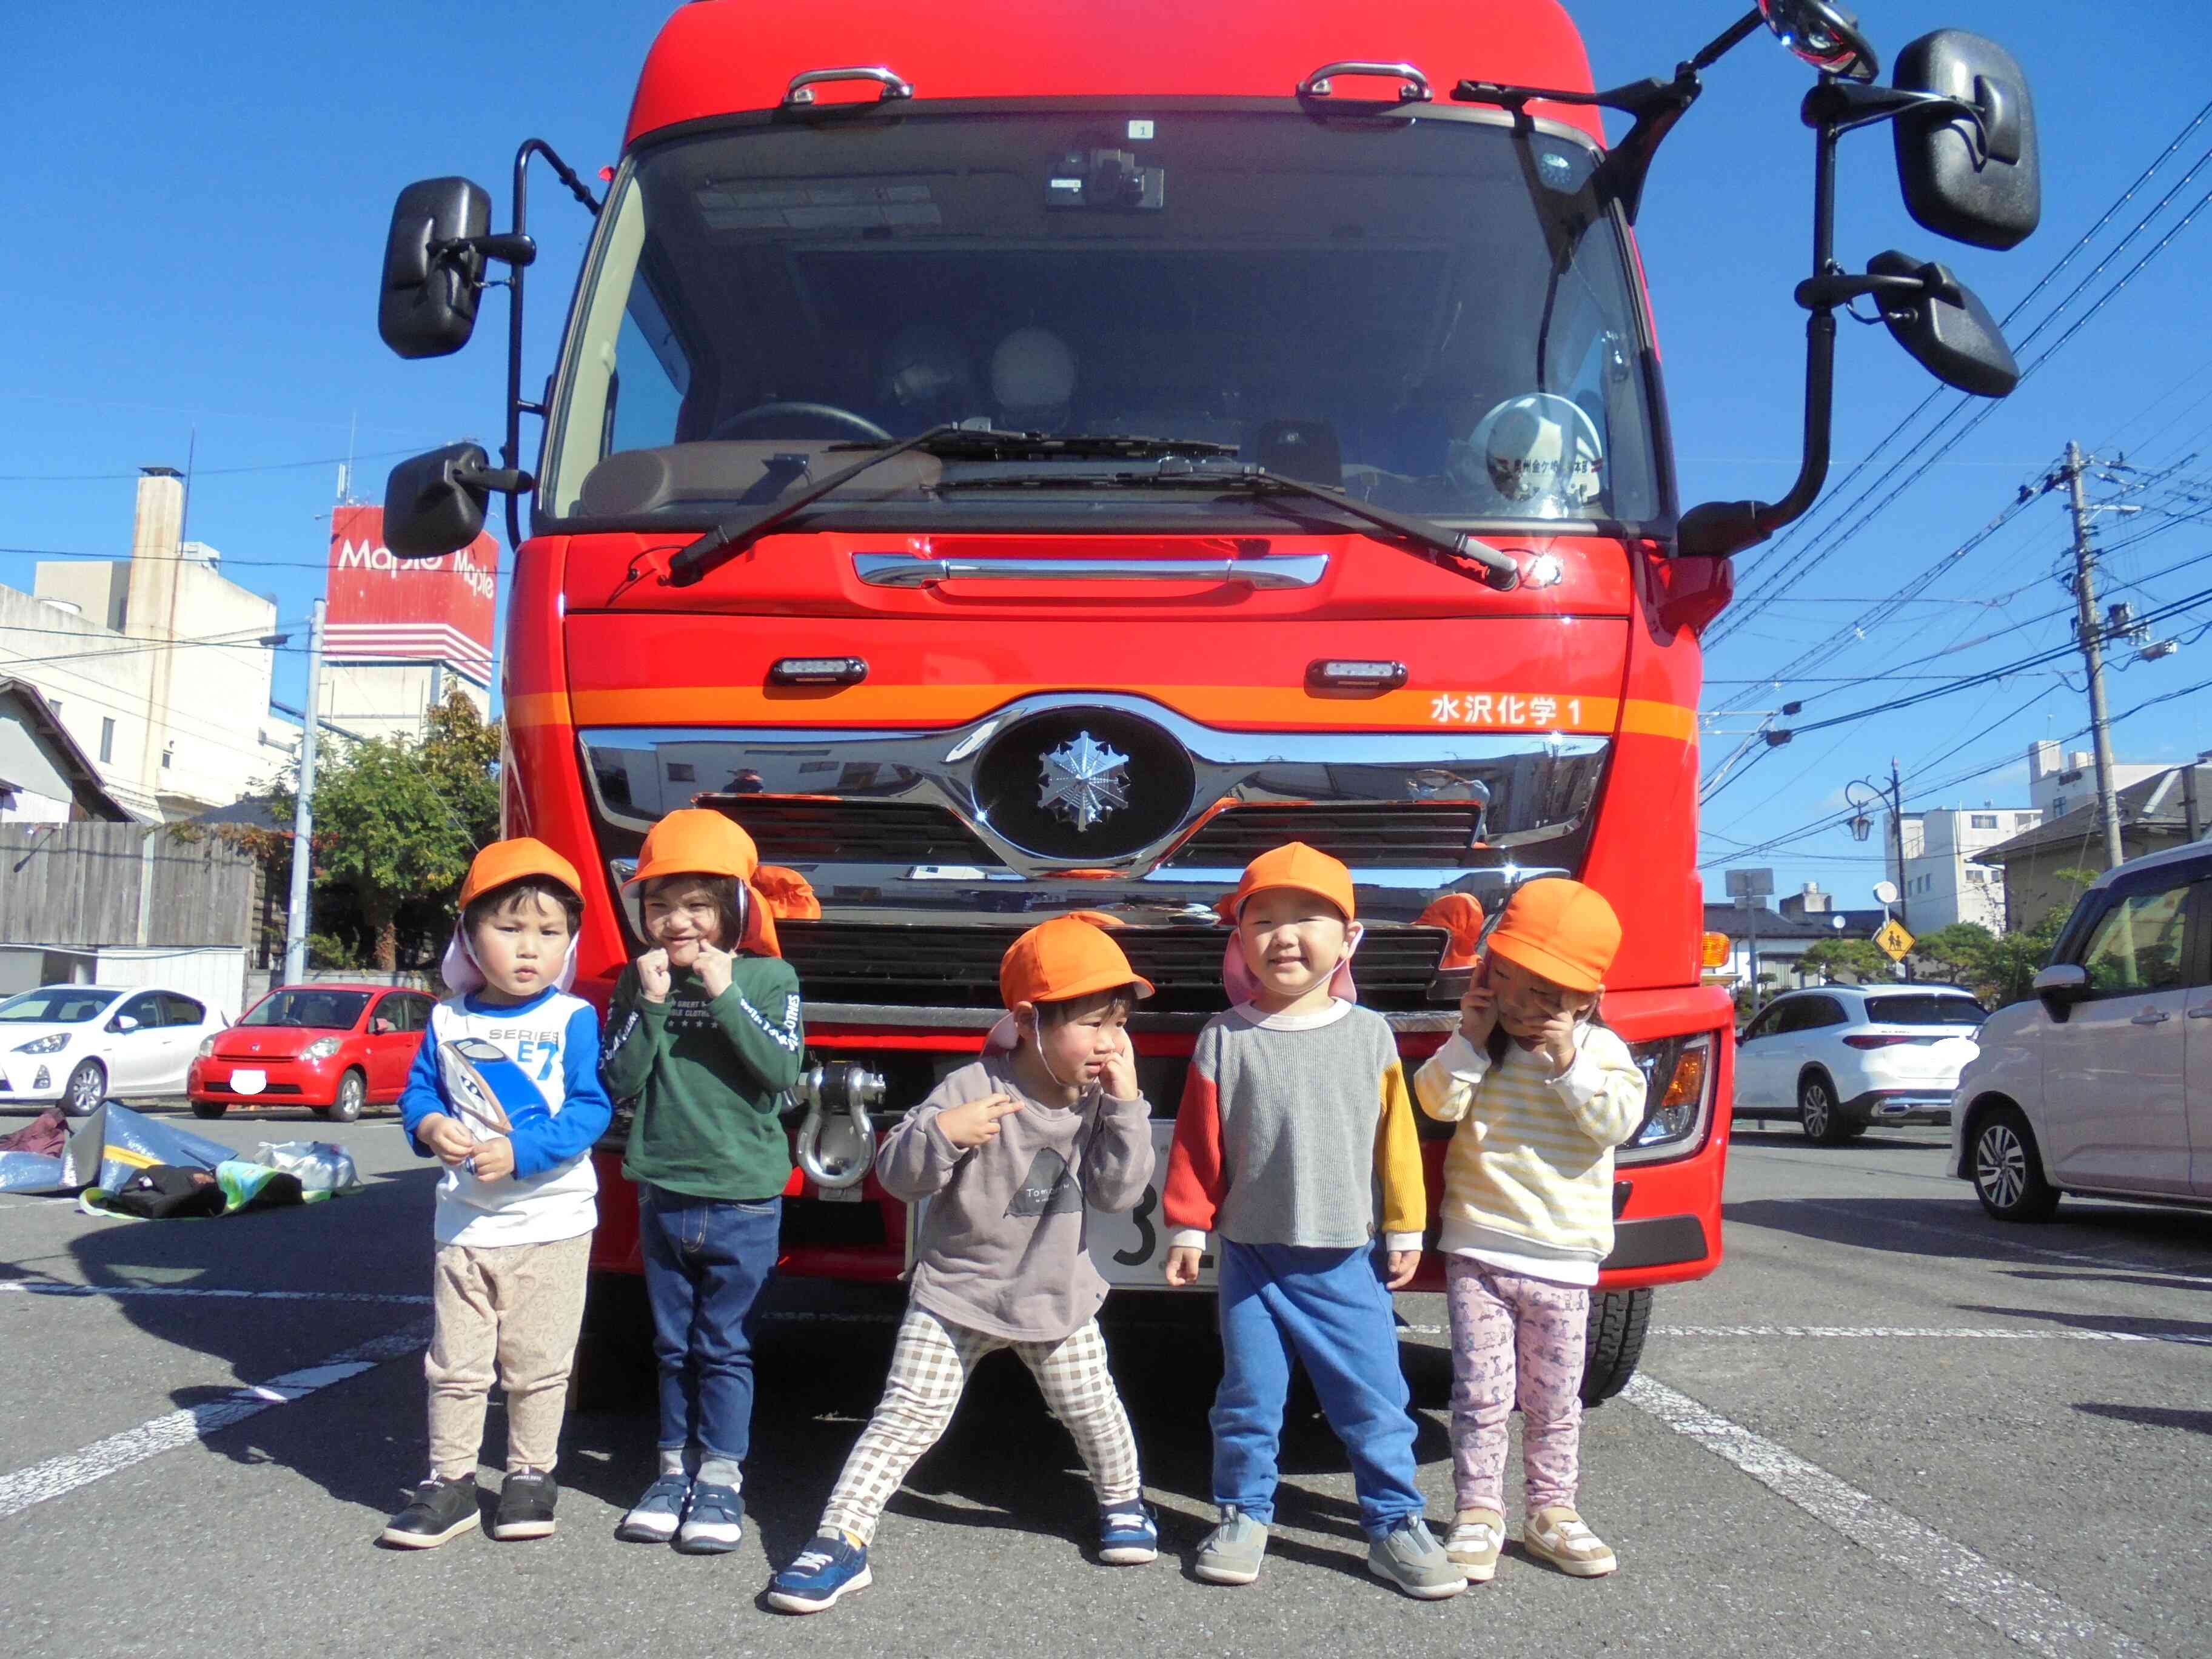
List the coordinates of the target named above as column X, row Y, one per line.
column 2152, row 1417
column 1959, row 1227
column 2171, row 1330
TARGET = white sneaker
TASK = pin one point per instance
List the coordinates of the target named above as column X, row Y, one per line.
column 1473, row 1546
column 1559, row 1536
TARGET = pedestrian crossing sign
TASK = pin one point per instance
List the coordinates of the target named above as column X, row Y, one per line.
column 1893, row 940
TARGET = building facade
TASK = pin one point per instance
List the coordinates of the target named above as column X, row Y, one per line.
column 1944, row 879
column 2044, row 867
column 158, row 667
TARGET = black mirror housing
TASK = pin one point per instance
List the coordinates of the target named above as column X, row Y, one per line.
column 434, row 504
column 432, row 271
column 1946, row 329
column 1973, row 178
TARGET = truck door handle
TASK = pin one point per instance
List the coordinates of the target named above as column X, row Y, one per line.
column 2205, row 1013
column 903, row 570
column 2151, row 1017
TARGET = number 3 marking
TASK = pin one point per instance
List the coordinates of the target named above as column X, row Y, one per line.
column 1147, row 1239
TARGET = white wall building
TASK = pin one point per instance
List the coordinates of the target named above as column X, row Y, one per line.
column 1942, row 883
column 155, row 665
column 2057, row 784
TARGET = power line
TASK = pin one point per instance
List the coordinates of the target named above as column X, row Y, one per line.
column 204, row 472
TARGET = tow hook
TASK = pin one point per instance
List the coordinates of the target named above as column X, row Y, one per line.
column 836, row 1139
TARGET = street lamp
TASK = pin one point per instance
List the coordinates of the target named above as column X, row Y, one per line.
column 1861, row 822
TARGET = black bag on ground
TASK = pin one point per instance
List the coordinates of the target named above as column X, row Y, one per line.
column 164, row 1192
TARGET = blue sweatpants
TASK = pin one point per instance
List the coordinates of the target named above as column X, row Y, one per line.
column 1328, row 1308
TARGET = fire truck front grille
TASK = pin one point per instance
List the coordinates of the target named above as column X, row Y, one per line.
column 800, row 831
column 957, row 966
column 1382, row 835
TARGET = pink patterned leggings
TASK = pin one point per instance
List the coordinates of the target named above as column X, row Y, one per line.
column 1515, row 1340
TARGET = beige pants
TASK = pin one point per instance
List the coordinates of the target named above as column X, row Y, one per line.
column 511, row 1311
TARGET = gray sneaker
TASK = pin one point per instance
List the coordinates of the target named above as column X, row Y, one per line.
column 1232, row 1551
column 1412, row 1559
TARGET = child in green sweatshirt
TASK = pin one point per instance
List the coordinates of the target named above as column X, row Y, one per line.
column 703, row 1033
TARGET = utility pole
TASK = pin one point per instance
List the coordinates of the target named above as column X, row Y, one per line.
column 2089, row 633
column 303, row 809
column 1897, row 831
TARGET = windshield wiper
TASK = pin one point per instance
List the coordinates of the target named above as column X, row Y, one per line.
column 1493, row 569
column 953, row 442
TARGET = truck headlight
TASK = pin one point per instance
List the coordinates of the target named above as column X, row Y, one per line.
column 45, row 1045
column 1677, row 1077
column 320, row 1048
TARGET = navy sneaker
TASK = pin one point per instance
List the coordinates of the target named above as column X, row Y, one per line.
column 1128, row 1537
column 715, row 1522
column 655, row 1517
column 832, row 1564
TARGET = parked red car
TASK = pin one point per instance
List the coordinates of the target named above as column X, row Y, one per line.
column 331, row 1046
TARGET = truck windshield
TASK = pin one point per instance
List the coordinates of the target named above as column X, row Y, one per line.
column 1435, row 313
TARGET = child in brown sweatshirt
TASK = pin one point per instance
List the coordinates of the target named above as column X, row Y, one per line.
column 1008, row 1153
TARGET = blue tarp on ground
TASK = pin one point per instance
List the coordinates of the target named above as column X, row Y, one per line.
column 114, row 1143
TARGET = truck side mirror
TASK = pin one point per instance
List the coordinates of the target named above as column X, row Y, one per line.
column 1946, row 327
column 433, row 268
column 434, row 504
column 1974, row 178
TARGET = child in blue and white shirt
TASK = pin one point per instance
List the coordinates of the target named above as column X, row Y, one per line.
column 505, row 1092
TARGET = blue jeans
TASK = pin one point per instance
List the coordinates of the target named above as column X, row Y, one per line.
column 1328, row 1308
column 707, row 1260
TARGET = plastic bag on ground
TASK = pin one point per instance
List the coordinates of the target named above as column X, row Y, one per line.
column 322, row 1166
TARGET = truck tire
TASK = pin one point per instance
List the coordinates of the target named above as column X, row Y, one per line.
column 614, row 1368
column 1618, row 1323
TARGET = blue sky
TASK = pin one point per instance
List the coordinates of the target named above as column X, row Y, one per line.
column 199, row 223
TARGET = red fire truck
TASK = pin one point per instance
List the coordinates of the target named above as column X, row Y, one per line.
column 1022, row 457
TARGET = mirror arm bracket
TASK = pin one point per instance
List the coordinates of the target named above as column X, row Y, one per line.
column 510, row 450
column 1844, row 106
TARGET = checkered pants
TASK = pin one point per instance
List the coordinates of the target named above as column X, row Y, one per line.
column 929, row 1370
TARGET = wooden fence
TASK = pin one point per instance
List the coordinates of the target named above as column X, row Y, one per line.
column 121, row 883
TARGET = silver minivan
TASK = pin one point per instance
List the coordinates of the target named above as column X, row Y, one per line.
column 2101, row 1082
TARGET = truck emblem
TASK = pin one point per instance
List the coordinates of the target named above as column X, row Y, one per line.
column 1084, row 781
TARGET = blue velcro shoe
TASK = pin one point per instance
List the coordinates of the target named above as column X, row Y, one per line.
column 714, row 1523
column 655, row 1517
column 1128, row 1535
column 832, row 1564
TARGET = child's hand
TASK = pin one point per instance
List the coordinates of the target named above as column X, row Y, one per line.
column 654, row 976
column 1478, row 1010
column 970, row 1126
column 1120, row 1076
column 448, row 1142
column 1182, row 1265
column 494, row 1160
column 1404, row 1264
column 713, row 967
column 1557, row 1042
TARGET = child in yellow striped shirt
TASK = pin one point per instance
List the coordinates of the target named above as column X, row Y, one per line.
column 1542, row 1093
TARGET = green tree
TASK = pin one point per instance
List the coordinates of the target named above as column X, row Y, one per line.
column 1860, row 958
column 397, row 821
column 1960, row 952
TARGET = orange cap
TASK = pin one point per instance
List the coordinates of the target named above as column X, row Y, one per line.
column 504, row 861
column 1459, row 914
column 788, row 892
column 696, row 841
column 1068, row 957
column 1560, row 929
column 1293, row 864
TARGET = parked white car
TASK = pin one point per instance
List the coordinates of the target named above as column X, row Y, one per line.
column 2101, row 1082
column 78, row 1044
column 1841, row 1058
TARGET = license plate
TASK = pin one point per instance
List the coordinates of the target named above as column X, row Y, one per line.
column 248, row 1083
column 1132, row 1248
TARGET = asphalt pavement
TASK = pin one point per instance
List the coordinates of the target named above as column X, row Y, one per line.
column 1888, row 1425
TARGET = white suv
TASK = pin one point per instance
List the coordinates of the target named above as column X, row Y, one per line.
column 1840, row 1058
column 2102, row 1081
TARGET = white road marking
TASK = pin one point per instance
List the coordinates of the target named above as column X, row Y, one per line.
column 2022, row 1612
column 58, row 1476
column 1937, row 1333
column 43, row 1287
